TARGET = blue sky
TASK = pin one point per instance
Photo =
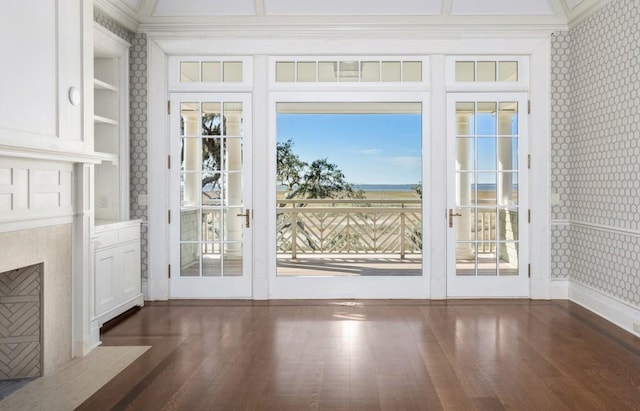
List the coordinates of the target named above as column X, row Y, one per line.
column 368, row 148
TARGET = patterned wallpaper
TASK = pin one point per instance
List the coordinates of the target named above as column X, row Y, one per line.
column 605, row 150
column 560, row 153
column 137, row 125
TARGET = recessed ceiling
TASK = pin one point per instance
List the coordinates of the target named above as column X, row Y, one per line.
column 199, row 14
column 500, row 7
column 353, row 7
column 133, row 4
column 204, row 7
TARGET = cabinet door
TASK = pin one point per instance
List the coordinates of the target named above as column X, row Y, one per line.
column 130, row 273
column 106, row 272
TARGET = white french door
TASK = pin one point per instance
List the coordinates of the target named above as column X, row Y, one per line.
column 210, row 196
column 487, row 195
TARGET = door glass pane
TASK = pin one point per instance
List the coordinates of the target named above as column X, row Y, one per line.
column 211, row 119
column 466, row 259
column 191, row 187
column 232, row 260
column 487, row 262
column 485, row 191
column 211, row 263
column 508, row 119
column 233, row 153
column 465, row 118
column 211, row 160
column 189, row 225
column 465, row 153
column 189, row 260
column 211, row 225
column 508, row 256
column 487, row 153
column 507, row 153
column 466, row 189
column 189, row 115
column 507, row 224
column 232, row 119
column 486, row 225
column 487, row 125
column 508, row 189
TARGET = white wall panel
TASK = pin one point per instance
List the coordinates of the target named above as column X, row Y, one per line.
column 29, row 69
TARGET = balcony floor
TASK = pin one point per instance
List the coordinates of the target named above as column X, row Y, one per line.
column 349, row 265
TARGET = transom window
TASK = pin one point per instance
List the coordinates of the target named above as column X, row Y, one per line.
column 348, row 71
column 211, row 71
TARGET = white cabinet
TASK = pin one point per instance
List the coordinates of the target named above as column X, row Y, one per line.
column 117, row 285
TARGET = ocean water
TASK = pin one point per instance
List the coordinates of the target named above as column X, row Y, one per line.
column 384, row 187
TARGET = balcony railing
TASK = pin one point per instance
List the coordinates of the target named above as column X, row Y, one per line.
column 331, row 226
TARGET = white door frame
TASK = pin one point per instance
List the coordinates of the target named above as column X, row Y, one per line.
column 352, row 286
column 211, row 287
column 488, row 286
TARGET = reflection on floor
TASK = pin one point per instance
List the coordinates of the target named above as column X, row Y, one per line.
column 349, row 265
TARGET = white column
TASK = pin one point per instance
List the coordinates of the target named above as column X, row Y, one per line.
column 463, row 192
column 192, row 159
column 505, row 162
column 233, row 158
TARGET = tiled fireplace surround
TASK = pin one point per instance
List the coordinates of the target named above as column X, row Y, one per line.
column 51, row 247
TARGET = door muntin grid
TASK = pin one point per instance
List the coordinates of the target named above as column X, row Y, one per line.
column 211, row 186
column 487, row 182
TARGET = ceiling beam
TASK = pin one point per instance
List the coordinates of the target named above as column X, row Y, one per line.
column 259, row 5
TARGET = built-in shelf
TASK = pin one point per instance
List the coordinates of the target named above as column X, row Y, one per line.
column 103, row 85
column 116, row 239
column 104, row 120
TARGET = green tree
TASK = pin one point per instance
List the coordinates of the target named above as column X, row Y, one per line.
column 320, row 179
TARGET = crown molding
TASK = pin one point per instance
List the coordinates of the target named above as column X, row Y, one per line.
column 365, row 26
column 119, row 12
column 582, row 12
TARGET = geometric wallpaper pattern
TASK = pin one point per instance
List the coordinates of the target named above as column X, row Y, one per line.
column 137, row 125
column 560, row 154
column 605, row 150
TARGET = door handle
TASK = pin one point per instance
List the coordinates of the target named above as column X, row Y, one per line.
column 451, row 215
column 247, row 217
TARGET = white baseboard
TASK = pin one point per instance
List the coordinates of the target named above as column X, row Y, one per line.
column 559, row 289
column 610, row 308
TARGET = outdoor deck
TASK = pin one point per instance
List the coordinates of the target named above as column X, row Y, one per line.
column 349, row 265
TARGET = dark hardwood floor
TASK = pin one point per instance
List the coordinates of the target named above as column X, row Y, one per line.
column 372, row 355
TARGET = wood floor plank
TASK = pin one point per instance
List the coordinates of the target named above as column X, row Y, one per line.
column 372, row 355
